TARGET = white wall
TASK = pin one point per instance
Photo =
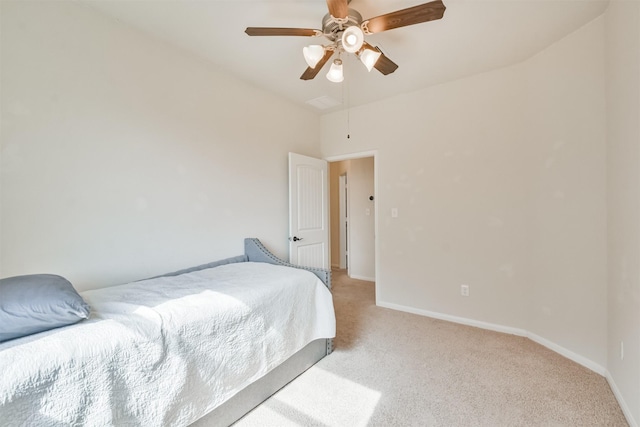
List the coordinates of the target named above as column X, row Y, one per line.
column 623, row 189
column 123, row 157
column 448, row 160
column 499, row 180
column 566, row 165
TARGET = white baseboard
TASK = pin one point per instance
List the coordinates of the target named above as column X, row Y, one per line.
column 366, row 279
column 455, row 319
column 623, row 404
column 581, row 360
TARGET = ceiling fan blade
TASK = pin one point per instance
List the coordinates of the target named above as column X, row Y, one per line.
column 384, row 64
column 270, row 31
column 338, row 8
column 310, row 73
column 402, row 18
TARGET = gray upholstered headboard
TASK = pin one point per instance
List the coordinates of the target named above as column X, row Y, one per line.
column 255, row 251
column 239, row 258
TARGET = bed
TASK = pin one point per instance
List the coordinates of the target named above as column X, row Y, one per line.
column 203, row 345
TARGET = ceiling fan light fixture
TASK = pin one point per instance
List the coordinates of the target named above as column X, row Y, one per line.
column 352, row 39
column 335, row 73
column 313, row 54
column 369, row 58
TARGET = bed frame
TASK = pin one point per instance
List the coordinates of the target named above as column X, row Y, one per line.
column 259, row 391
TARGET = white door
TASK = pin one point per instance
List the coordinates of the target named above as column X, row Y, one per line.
column 308, row 211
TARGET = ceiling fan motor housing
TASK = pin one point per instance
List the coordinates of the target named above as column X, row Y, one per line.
column 333, row 27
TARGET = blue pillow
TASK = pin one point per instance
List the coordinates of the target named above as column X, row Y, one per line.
column 37, row 303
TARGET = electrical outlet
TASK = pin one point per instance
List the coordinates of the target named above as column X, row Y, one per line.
column 621, row 350
column 464, row 290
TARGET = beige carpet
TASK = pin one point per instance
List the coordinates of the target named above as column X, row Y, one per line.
column 398, row 369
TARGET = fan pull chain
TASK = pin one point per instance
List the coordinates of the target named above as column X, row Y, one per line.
column 345, row 83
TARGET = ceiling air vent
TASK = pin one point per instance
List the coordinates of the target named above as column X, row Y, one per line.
column 323, row 102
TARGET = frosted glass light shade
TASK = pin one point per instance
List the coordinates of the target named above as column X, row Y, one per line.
column 335, row 72
column 369, row 58
column 313, row 54
column 352, row 39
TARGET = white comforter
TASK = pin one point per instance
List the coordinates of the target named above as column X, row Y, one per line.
column 163, row 351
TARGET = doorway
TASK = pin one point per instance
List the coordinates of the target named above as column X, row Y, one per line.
column 353, row 216
column 343, row 220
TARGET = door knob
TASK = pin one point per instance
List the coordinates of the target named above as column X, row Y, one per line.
column 295, row 239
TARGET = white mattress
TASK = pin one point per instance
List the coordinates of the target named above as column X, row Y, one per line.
column 164, row 351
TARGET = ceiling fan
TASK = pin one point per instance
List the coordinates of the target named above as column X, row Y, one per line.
column 345, row 29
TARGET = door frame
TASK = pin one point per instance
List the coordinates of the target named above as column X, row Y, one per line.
column 360, row 155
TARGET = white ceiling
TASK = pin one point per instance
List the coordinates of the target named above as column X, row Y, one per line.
column 474, row 36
